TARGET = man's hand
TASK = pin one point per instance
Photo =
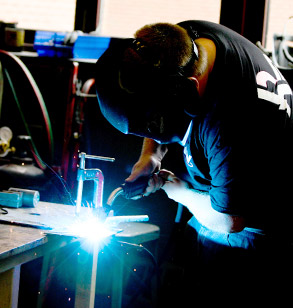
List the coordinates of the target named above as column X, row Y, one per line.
column 148, row 164
column 199, row 205
column 174, row 187
column 145, row 166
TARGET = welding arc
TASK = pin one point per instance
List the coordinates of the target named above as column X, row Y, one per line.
column 38, row 96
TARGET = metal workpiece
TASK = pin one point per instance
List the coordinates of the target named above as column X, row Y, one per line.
column 95, row 175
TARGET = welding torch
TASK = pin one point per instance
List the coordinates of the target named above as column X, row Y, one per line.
column 130, row 189
column 134, row 189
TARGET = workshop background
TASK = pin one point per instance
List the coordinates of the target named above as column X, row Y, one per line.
column 49, row 131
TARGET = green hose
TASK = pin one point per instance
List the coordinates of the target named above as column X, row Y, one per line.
column 36, row 156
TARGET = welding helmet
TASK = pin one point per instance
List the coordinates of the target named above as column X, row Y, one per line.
column 149, row 102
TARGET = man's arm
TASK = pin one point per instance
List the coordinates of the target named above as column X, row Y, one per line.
column 199, row 205
column 150, row 159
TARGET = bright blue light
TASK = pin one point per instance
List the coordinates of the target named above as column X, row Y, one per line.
column 91, row 229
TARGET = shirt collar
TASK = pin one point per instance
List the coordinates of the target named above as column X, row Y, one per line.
column 184, row 140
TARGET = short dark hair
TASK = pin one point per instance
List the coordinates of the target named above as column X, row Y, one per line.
column 171, row 43
column 160, row 48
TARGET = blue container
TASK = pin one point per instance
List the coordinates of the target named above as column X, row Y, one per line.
column 44, row 43
column 61, row 49
column 51, row 44
column 90, row 47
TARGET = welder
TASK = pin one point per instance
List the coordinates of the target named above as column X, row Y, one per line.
column 205, row 87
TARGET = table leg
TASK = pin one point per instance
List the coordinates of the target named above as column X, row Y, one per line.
column 86, row 278
column 117, row 282
column 9, row 287
column 43, row 279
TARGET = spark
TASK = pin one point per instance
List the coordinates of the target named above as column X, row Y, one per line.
column 91, row 229
column 88, row 225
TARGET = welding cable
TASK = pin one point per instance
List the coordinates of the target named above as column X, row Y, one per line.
column 34, row 150
column 86, row 88
column 83, row 95
column 38, row 160
column 42, row 165
column 38, row 96
column 3, row 211
column 1, row 87
column 141, row 248
column 55, row 175
column 155, row 271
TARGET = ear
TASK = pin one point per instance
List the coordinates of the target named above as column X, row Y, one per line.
column 195, row 81
column 192, row 100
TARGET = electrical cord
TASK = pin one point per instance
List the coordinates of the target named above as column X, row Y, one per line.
column 55, row 174
column 143, row 284
column 82, row 93
column 38, row 96
column 141, row 248
column 3, row 210
column 39, row 162
column 1, row 87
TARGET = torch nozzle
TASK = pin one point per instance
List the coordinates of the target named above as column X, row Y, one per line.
column 129, row 189
column 114, row 194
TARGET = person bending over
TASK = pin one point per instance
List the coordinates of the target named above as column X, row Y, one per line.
column 205, row 87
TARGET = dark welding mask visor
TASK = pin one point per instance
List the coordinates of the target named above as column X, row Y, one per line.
column 114, row 105
column 161, row 105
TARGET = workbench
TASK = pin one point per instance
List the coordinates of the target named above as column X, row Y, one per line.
column 21, row 244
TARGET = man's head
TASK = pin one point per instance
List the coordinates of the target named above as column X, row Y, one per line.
column 143, row 86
